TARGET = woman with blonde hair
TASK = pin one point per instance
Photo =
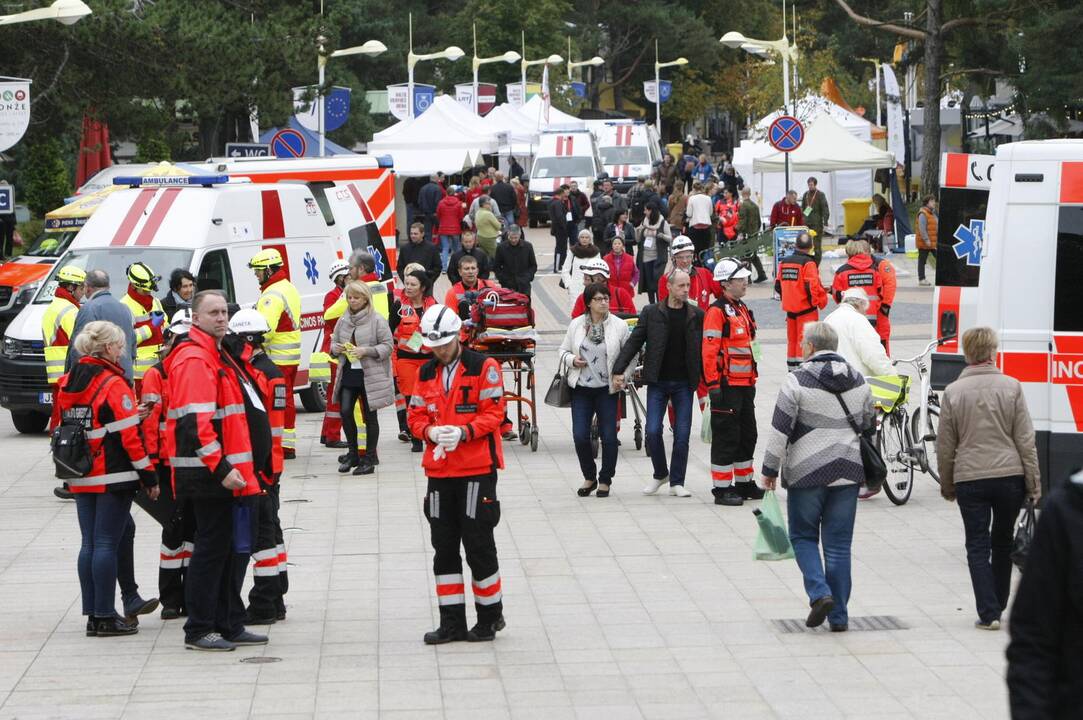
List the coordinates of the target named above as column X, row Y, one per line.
column 988, row 462
column 362, row 342
column 96, row 395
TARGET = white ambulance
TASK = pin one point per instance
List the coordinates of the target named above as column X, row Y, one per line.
column 1018, row 268
column 210, row 225
column 629, row 149
column 563, row 156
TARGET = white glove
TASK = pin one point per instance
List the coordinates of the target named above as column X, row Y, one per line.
column 435, row 431
column 450, row 437
column 438, row 453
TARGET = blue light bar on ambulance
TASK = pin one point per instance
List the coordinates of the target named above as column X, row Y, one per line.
column 172, row 181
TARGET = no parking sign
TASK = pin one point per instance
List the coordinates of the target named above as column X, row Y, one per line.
column 288, row 143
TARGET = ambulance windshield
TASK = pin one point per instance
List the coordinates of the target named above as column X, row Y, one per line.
column 561, row 167
column 115, row 261
column 625, row 155
column 51, row 244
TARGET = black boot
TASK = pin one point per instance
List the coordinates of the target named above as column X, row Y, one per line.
column 367, row 465
column 114, row 626
column 348, row 462
column 452, row 626
column 416, row 446
column 485, row 631
column 749, row 491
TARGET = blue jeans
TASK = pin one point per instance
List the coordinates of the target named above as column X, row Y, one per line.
column 659, row 396
column 586, row 403
column 129, row 590
column 989, row 509
column 509, row 218
column 103, row 521
column 824, row 515
column 448, row 244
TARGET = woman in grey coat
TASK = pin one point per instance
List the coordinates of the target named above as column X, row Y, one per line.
column 814, row 446
column 362, row 343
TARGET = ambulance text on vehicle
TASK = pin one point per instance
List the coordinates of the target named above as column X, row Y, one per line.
column 563, row 156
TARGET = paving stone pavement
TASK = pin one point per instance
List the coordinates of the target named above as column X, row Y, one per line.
column 626, row 607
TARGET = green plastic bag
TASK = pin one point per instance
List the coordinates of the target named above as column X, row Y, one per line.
column 705, row 426
column 772, row 540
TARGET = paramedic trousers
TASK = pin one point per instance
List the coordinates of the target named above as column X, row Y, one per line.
column 332, row 423
column 269, row 579
column 795, row 327
column 463, row 511
column 733, row 436
column 212, row 585
column 178, row 534
column 289, row 434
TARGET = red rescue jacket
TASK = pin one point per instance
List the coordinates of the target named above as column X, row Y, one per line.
column 620, row 301
column 407, row 321
column 728, row 332
column 329, row 325
column 798, row 283
column 861, row 271
column 703, row 287
column 153, row 426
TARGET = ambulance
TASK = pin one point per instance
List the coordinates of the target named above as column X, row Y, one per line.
column 209, row 225
column 629, row 149
column 562, row 156
column 1013, row 260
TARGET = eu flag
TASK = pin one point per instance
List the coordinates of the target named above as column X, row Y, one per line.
column 336, row 108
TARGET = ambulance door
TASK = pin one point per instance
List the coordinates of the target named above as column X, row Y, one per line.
column 215, row 273
column 1066, row 367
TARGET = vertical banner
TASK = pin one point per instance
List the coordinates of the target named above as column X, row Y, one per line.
column 651, row 94
column 579, row 88
column 464, row 95
column 545, row 93
column 398, row 99
column 336, row 107
column 14, row 111
column 515, row 95
column 424, row 95
column 896, row 140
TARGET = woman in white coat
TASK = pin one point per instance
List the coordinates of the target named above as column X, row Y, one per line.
column 859, row 343
column 590, row 348
column 584, row 250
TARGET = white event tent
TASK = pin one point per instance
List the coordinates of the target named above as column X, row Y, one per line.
column 534, row 111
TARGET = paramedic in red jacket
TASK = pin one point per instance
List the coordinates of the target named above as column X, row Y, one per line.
column 874, row 275
column 213, row 465
column 620, row 299
column 803, row 295
column 405, row 321
column 457, row 409
column 96, row 394
column 331, row 432
column 682, row 255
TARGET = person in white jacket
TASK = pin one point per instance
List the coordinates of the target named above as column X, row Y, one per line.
column 859, row 343
column 584, row 250
column 588, row 353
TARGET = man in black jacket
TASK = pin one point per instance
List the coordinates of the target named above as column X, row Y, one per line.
column 561, row 217
column 469, row 246
column 1045, row 657
column 421, row 251
column 427, row 199
column 515, row 264
column 505, row 197
column 672, row 331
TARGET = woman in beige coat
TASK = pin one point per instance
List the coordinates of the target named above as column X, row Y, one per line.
column 362, row 343
column 988, row 462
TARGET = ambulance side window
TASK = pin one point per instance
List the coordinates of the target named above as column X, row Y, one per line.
column 214, row 274
column 317, row 189
column 959, row 210
column 1068, row 291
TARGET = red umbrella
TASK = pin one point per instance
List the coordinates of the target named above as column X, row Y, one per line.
column 93, row 150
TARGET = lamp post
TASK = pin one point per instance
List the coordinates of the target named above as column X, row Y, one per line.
column 524, row 64
column 451, row 52
column 658, row 86
column 509, row 57
column 65, row 12
column 595, row 61
column 370, row 48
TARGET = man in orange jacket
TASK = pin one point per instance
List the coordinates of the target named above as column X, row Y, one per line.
column 803, row 295
column 211, row 447
column 457, row 409
column 874, row 275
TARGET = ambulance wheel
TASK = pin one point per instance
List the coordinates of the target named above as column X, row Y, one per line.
column 524, row 433
column 534, row 440
column 29, row 422
column 314, row 397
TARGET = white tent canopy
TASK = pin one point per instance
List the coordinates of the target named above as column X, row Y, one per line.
column 505, row 119
column 446, row 137
column 827, row 146
column 534, row 111
column 811, row 107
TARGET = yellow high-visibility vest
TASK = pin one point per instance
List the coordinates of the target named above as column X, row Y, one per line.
column 284, row 348
column 60, row 315
column 146, row 355
column 889, row 390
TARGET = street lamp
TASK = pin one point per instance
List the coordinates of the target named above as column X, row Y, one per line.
column 595, row 61
column 370, row 48
column 451, row 52
column 658, row 86
column 524, row 64
column 761, row 48
column 66, row 12
column 509, row 57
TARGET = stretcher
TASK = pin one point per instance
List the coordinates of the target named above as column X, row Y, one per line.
column 515, row 350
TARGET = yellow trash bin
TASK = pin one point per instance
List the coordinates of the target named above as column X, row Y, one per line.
column 675, row 149
column 854, row 212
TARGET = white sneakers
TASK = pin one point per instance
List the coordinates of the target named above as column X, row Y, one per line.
column 679, row 491
column 655, row 485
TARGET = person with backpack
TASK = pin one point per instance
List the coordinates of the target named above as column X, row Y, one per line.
column 98, row 450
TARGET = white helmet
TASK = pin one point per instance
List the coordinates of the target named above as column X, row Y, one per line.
column 595, row 266
column 681, row 243
column 729, row 269
column 248, row 321
column 439, row 326
column 338, row 267
column 181, row 322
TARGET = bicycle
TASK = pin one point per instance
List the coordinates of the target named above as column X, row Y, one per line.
column 905, row 441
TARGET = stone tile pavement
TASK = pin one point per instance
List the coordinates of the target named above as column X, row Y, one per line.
column 627, row 607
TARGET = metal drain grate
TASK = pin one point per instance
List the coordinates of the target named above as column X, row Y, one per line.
column 261, row 659
column 867, row 623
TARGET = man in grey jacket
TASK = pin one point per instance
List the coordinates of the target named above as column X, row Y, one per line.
column 101, row 305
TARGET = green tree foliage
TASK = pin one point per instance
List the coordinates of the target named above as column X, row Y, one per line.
column 152, row 148
column 45, row 177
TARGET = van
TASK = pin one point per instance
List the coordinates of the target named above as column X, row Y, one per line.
column 1018, row 267
column 209, row 225
column 629, row 149
column 562, row 156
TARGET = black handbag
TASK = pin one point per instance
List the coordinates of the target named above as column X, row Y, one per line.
column 559, row 394
column 871, row 459
column 1024, row 536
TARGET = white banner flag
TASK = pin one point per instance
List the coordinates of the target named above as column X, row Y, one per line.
column 464, row 94
column 398, row 101
column 14, row 111
column 545, row 92
column 515, row 95
column 896, row 140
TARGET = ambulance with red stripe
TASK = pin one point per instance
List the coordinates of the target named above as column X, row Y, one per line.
column 628, row 148
column 563, row 156
column 210, row 225
column 1010, row 256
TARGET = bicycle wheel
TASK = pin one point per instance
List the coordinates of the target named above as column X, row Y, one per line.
column 925, row 442
column 895, row 448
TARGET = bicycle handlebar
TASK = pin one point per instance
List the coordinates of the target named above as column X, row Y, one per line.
column 928, row 348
